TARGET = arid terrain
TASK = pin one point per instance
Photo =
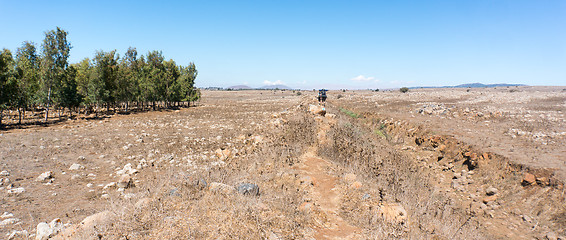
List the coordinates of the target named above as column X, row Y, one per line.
column 479, row 163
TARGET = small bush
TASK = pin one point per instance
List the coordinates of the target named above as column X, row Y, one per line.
column 349, row 113
column 404, row 89
column 339, row 96
column 298, row 93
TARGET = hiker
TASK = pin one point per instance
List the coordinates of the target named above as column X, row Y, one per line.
column 322, row 95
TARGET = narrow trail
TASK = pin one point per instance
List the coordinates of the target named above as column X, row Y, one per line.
column 324, row 192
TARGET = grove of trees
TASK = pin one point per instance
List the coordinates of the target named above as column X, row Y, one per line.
column 43, row 80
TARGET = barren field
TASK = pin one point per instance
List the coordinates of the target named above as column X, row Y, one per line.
column 427, row 164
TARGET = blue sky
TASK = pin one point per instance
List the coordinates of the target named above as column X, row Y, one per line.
column 315, row 44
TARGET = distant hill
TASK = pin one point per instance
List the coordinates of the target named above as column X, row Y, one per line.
column 240, row 87
column 476, row 85
column 481, row 85
column 278, row 86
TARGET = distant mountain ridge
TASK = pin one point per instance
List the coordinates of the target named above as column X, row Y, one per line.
column 240, row 87
column 477, row 85
column 278, row 86
column 246, row 87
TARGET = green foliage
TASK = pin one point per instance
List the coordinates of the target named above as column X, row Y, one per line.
column 381, row 131
column 82, row 78
column 349, row 113
column 55, row 52
column 27, row 68
column 404, row 89
column 7, row 80
column 69, row 97
column 102, row 88
column 47, row 79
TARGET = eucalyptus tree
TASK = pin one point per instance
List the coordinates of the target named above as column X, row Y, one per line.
column 27, row 69
column 187, row 79
column 127, row 85
column 7, row 81
column 173, row 87
column 69, row 97
column 83, row 77
column 102, row 85
column 55, row 53
column 155, row 76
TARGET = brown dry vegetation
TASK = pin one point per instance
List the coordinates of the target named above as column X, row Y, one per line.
column 371, row 168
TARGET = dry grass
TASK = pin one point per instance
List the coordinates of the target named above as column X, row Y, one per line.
column 392, row 177
column 180, row 206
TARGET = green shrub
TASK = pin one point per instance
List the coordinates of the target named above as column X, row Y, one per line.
column 404, row 89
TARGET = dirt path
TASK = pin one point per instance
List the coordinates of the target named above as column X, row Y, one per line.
column 327, row 198
column 324, row 192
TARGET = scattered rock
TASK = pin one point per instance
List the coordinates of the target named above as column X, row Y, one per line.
column 317, row 110
column 45, row 231
column 110, row 185
column 393, row 212
column 127, row 170
column 23, row 234
column 16, row 191
column 551, row 236
column 528, row 179
column 76, row 166
column 248, row 189
column 125, row 181
column 305, row 207
column 542, row 181
column 81, row 158
column 356, row 185
column 6, row 215
column 489, row 199
column 4, row 173
column 491, row 191
column 217, row 187
column 8, row 221
column 87, row 226
column 143, row 203
column 308, row 181
column 223, row 154
column 350, row 177
column 44, row 176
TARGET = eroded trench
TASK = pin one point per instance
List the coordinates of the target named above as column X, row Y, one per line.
column 401, row 181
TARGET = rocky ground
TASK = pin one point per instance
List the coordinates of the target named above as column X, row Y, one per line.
column 440, row 164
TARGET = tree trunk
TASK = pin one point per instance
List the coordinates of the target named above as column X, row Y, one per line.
column 20, row 116
column 48, row 100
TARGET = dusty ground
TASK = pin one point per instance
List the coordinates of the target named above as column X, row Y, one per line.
column 442, row 164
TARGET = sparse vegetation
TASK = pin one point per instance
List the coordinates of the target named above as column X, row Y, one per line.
column 349, row 113
column 404, row 89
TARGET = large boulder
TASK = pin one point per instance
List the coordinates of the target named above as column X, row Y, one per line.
column 315, row 109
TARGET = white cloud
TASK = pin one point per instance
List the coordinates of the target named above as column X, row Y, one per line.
column 362, row 78
column 278, row 82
